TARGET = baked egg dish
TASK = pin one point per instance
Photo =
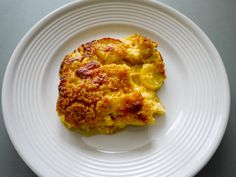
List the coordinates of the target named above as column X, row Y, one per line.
column 108, row 84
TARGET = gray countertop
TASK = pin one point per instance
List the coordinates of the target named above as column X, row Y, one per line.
column 217, row 18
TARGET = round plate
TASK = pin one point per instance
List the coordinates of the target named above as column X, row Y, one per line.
column 195, row 94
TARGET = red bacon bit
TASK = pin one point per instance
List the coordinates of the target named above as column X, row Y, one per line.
column 135, row 107
column 108, row 48
column 83, row 72
column 100, row 79
column 142, row 117
column 88, row 70
column 91, row 65
column 88, row 47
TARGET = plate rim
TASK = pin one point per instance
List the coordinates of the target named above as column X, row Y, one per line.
column 186, row 20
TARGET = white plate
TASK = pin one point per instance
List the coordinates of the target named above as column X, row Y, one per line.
column 195, row 94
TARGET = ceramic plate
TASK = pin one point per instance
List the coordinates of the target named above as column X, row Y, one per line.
column 195, row 94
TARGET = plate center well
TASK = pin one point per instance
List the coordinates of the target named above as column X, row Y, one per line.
column 171, row 94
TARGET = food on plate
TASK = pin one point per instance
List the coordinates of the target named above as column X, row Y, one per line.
column 108, row 84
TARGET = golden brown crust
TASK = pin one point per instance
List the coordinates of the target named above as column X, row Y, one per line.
column 96, row 90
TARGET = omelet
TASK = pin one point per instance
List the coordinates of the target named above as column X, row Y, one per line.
column 109, row 84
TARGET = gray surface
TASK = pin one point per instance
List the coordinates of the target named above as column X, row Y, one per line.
column 216, row 17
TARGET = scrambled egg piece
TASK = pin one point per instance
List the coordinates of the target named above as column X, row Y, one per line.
column 109, row 83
